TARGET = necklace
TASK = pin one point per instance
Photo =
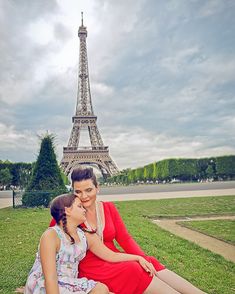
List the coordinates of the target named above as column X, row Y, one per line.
column 100, row 227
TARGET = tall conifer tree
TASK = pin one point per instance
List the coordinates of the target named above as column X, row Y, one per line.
column 46, row 178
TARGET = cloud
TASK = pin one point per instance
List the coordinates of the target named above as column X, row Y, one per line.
column 161, row 74
column 20, row 55
column 212, row 7
column 135, row 147
column 15, row 142
column 179, row 60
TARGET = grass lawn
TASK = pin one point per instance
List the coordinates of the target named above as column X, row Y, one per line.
column 221, row 229
column 21, row 229
column 224, row 205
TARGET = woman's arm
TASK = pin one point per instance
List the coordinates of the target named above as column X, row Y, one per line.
column 122, row 236
column 48, row 246
column 98, row 248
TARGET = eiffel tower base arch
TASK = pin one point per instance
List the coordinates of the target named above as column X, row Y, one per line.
column 99, row 158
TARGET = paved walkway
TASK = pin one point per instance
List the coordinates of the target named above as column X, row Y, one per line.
column 7, row 202
column 213, row 244
column 167, row 195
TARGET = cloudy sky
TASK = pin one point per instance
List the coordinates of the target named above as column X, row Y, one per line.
column 162, row 76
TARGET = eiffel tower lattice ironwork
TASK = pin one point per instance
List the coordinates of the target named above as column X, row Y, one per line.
column 84, row 120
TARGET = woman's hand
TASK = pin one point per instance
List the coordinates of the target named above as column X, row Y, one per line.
column 147, row 266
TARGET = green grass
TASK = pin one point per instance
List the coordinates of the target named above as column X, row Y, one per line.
column 221, row 229
column 186, row 206
column 209, row 271
column 21, row 229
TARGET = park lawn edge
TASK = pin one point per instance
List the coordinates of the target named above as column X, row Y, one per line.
column 184, row 224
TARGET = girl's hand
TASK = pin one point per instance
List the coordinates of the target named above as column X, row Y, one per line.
column 147, row 266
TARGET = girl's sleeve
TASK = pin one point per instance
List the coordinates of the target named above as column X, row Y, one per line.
column 52, row 223
column 122, row 236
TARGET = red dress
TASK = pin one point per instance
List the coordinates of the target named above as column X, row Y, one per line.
column 123, row 277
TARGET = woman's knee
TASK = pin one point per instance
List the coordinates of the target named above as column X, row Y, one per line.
column 100, row 288
column 159, row 287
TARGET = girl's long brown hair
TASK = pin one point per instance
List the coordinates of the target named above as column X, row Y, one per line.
column 57, row 207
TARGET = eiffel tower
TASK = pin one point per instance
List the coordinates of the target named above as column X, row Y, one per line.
column 84, row 120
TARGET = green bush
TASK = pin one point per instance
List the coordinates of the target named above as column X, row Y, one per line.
column 39, row 198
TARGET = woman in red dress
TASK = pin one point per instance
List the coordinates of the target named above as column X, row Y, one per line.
column 124, row 277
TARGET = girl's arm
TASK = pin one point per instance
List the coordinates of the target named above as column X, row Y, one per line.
column 98, row 248
column 48, row 246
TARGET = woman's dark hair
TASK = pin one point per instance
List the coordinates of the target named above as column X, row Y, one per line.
column 57, row 207
column 81, row 174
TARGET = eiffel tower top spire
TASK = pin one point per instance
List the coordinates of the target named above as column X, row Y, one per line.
column 95, row 153
column 84, row 104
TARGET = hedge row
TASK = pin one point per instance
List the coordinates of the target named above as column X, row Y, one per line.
column 182, row 169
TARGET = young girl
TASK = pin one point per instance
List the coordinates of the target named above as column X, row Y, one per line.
column 63, row 246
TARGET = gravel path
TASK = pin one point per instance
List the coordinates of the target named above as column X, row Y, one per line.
column 213, row 244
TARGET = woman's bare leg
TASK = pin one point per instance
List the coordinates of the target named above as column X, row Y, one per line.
column 157, row 286
column 100, row 289
column 177, row 282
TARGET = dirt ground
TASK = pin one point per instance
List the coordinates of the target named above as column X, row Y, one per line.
column 213, row 244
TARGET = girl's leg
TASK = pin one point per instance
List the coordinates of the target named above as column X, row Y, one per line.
column 178, row 283
column 157, row 286
column 100, row 289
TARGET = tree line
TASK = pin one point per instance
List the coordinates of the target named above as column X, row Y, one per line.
column 15, row 175
column 182, row 169
column 18, row 175
column 43, row 174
